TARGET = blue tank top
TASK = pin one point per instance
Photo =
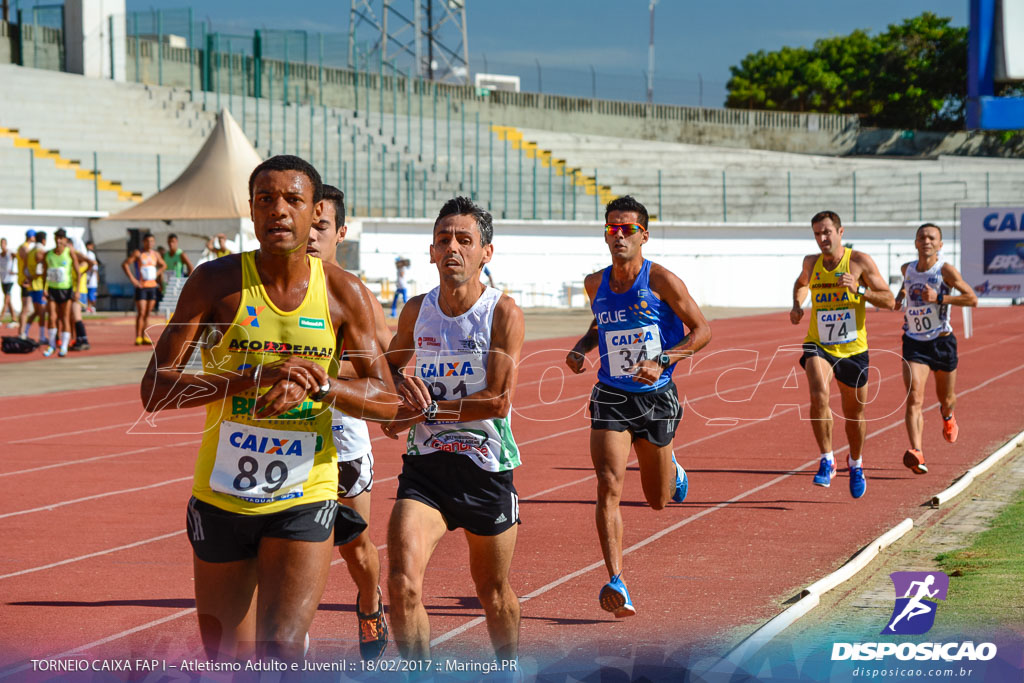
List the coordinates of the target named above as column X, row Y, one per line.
column 633, row 326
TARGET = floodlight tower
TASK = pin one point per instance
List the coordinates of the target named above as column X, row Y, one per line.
column 426, row 37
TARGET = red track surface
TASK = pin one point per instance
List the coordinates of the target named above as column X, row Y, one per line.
column 93, row 513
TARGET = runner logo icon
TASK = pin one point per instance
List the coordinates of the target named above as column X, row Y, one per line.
column 916, row 593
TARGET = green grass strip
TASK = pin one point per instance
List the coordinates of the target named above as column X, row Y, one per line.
column 986, row 580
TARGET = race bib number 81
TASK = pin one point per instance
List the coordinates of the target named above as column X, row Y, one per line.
column 626, row 348
column 837, row 327
column 262, row 465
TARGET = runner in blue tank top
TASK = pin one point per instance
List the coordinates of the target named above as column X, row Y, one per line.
column 641, row 314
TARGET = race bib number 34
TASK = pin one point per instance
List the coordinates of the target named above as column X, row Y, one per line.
column 262, row 465
column 626, row 348
column 837, row 327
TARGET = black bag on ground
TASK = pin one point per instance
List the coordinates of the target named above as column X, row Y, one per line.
column 18, row 345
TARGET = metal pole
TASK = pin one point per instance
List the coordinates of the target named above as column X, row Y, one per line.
column 789, row 196
column 355, row 168
column 110, row 33
column 323, row 115
column 519, row 182
column 855, row 195
column 160, row 46
column 420, row 81
column 284, row 90
column 987, row 201
column 551, row 179
column 412, row 187
column 135, row 30
column 533, row 192
column 312, row 157
column 490, row 166
column 504, row 180
column 462, row 148
column 284, row 122
column 725, row 215
column 650, row 59
column 32, row 176
column 95, row 183
column 218, row 63
column 563, row 192
column 424, row 199
column 383, row 180
column 398, row 182
column 408, row 113
column 341, row 170
column 394, row 107
column 597, row 199
column 573, row 198
column 448, row 135
column 159, row 184
column 380, row 90
column 320, row 75
column 661, row 211
column 270, row 109
column 369, row 175
column 920, row 196
column 231, row 78
column 433, row 86
column 476, row 144
column 298, row 110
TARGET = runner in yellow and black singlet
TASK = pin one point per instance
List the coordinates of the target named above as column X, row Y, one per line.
column 841, row 282
column 264, row 506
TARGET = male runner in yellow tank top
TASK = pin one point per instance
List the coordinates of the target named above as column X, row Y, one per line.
column 264, row 498
column 841, row 282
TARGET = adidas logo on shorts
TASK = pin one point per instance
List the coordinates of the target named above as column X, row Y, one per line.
column 501, row 518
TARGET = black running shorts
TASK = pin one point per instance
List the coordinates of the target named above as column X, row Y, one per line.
column 938, row 354
column 651, row 416
column 147, row 293
column 851, row 371
column 481, row 502
column 221, row 536
column 61, row 296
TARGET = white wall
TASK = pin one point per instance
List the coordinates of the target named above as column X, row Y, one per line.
column 88, row 36
column 728, row 264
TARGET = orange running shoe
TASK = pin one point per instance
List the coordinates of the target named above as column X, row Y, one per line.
column 950, row 429
column 914, row 460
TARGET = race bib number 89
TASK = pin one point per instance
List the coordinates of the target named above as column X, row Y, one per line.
column 837, row 327
column 262, row 465
column 626, row 348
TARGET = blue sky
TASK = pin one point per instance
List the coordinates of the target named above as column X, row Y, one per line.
column 694, row 41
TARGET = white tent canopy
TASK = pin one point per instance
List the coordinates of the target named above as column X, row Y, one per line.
column 210, row 196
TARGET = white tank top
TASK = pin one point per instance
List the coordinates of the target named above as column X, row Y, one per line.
column 451, row 359
column 923, row 321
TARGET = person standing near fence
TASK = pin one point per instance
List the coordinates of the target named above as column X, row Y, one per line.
column 147, row 285
column 178, row 262
column 401, row 267
column 8, row 275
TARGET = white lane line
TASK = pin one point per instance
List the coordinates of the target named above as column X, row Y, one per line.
column 62, row 503
column 67, row 463
column 90, row 555
column 53, row 436
column 77, row 409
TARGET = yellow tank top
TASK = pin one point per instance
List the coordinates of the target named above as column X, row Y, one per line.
column 837, row 314
column 23, row 274
column 35, row 268
column 257, row 466
column 83, row 277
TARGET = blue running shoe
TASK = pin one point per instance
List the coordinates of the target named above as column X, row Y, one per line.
column 682, row 482
column 858, row 485
column 614, row 598
column 826, row 470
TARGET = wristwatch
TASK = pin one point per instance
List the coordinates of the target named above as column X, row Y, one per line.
column 322, row 393
column 431, row 411
column 861, row 290
column 939, row 298
column 664, row 361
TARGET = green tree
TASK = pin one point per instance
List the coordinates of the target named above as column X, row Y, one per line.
column 914, row 75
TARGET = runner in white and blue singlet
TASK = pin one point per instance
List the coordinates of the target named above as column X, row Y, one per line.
column 929, row 344
column 641, row 314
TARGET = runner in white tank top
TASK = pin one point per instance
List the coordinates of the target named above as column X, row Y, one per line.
column 929, row 344
column 465, row 340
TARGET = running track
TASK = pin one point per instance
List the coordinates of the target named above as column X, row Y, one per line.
column 96, row 561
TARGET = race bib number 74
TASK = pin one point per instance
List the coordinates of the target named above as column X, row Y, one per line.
column 837, row 327
column 262, row 465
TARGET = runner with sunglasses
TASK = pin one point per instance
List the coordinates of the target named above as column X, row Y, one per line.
column 641, row 314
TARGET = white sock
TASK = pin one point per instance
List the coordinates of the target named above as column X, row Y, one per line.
column 65, row 337
column 828, row 456
column 51, row 336
column 855, row 463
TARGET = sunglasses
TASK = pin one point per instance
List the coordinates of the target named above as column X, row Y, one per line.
column 627, row 229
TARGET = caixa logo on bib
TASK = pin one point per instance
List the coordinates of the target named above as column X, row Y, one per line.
column 914, row 614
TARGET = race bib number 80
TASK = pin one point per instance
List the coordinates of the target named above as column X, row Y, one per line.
column 626, row 348
column 262, row 465
column 837, row 327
